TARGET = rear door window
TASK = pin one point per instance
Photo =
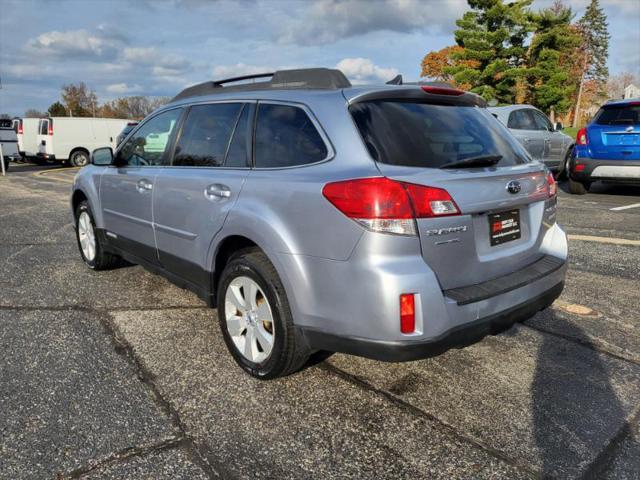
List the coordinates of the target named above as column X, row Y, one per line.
column 541, row 121
column 619, row 115
column 521, row 120
column 286, row 137
column 44, row 127
column 206, row 135
column 425, row 135
column 239, row 149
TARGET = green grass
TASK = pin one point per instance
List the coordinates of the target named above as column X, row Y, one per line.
column 571, row 131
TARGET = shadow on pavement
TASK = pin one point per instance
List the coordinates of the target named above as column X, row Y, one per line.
column 35, row 167
column 607, row 189
column 581, row 401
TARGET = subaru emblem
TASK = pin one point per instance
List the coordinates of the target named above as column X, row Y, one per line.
column 629, row 129
column 513, row 186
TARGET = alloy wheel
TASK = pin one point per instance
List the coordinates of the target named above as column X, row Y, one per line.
column 249, row 319
column 86, row 236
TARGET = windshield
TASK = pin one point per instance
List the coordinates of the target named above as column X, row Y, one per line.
column 425, row 135
column 619, row 115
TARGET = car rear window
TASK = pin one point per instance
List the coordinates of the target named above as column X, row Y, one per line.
column 618, row 115
column 417, row 134
column 6, row 123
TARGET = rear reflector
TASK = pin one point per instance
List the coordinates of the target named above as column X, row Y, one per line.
column 552, row 185
column 578, row 168
column 388, row 206
column 442, row 91
column 407, row 313
column 581, row 137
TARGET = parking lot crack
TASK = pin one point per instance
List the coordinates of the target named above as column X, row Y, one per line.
column 125, row 454
column 438, row 423
column 599, row 466
column 199, row 453
column 585, row 343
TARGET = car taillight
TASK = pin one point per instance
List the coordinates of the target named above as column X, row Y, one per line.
column 20, row 128
column 442, row 90
column 581, row 138
column 388, row 206
column 552, row 185
column 407, row 313
column 50, row 128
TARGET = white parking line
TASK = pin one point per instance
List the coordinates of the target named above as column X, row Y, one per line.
column 625, row 207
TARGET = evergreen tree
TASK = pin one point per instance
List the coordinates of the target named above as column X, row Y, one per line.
column 596, row 37
column 551, row 59
column 595, row 52
column 492, row 34
column 57, row 110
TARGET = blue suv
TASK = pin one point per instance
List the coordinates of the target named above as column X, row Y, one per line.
column 608, row 149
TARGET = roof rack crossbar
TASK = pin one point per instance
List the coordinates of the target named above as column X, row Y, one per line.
column 305, row 78
column 243, row 77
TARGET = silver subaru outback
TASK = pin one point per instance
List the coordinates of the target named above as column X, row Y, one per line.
column 392, row 221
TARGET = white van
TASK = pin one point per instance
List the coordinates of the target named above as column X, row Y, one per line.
column 72, row 139
column 27, row 130
column 8, row 141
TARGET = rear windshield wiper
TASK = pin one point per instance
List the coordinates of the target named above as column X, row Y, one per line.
column 479, row 161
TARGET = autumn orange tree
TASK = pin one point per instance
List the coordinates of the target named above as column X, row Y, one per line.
column 436, row 65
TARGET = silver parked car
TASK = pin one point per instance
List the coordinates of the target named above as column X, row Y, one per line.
column 391, row 221
column 544, row 141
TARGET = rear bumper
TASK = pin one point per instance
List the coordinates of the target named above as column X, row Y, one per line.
column 618, row 171
column 458, row 337
column 353, row 306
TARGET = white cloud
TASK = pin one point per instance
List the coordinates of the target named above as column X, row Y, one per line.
column 146, row 55
column 331, row 20
column 121, row 88
column 363, row 70
column 238, row 70
column 74, row 43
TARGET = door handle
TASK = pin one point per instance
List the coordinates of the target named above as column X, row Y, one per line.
column 526, row 140
column 144, row 186
column 217, row 191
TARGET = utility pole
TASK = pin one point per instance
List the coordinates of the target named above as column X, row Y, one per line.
column 576, row 114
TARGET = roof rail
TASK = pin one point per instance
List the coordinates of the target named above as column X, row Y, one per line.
column 304, row 78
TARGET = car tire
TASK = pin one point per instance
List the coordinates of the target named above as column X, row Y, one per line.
column 6, row 164
column 578, row 188
column 79, row 158
column 563, row 173
column 255, row 318
column 91, row 248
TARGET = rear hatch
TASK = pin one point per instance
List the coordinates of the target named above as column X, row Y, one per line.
column 614, row 133
column 502, row 195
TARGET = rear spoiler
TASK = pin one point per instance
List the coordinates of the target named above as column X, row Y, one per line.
column 439, row 95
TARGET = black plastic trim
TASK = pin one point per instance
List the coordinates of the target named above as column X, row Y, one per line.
column 187, row 275
column 455, row 338
column 497, row 286
column 591, row 164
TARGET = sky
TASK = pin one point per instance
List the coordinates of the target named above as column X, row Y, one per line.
column 156, row 48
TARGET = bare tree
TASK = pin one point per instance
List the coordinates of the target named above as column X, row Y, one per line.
column 617, row 83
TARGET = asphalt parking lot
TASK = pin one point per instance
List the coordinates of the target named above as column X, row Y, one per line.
column 120, row 374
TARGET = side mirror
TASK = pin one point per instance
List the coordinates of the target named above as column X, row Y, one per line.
column 558, row 126
column 102, row 156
